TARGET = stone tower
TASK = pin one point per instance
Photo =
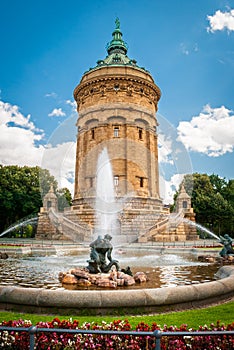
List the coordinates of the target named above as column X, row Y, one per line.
column 117, row 103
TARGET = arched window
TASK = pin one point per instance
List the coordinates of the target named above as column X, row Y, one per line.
column 116, row 180
column 116, row 131
column 141, row 182
column 185, row 204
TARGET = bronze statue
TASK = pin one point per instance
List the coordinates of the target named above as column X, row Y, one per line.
column 101, row 249
column 226, row 240
column 117, row 23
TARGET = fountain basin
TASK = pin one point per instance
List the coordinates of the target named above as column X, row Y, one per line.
column 112, row 302
column 164, row 268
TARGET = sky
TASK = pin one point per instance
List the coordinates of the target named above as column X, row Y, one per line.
column 186, row 45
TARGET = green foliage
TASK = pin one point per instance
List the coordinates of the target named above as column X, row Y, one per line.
column 45, row 180
column 21, row 193
column 213, row 201
column 64, row 198
column 27, row 231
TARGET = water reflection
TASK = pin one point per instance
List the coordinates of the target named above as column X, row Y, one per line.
column 163, row 270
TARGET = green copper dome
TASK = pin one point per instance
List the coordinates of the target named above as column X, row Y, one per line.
column 117, row 51
column 117, row 45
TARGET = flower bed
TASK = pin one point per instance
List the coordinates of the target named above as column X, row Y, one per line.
column 57, row 341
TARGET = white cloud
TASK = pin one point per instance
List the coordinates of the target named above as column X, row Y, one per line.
column 164, row 149
column 60, row 161
column 18, row 137
column 169, row 187
column 73, row 104
column 51, row 94
column 57, row 112
column 11, row 114
column 220, row 21
column 211, row 132
column 19, row 145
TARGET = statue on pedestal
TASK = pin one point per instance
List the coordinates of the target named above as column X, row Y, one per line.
column 101, row 250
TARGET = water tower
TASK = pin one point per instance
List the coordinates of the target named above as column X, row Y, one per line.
column 117, row 103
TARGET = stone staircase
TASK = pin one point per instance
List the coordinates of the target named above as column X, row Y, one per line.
column 175, row 227
column 69, row 227
column 137, row 222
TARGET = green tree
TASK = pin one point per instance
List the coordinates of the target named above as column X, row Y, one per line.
column 45, row 180
column 64, row 198
column 219, row 184
column 212, row 200
column 229, row 192
column 21, row 191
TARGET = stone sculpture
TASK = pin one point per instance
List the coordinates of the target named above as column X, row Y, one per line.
column 227, row 249
column 101, row 250
column 101, row 262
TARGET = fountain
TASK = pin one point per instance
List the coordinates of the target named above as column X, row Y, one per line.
column 31, row 220
column 175, row 291
column 117, row 101
column 201, row 228
column 146, row 297
column 151, row 265
column 48, row 296
column 227, row 250
column 106, row 207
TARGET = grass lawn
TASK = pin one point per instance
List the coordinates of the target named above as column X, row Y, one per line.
column 9, row 247
column 193, row 318
column 210, row 249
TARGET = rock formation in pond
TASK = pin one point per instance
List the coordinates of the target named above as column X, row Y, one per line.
column 80, row 277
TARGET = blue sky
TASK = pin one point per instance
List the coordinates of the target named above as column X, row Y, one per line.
column 188, row 47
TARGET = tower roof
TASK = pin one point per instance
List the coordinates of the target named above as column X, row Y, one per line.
column 183, row 194
column 117, row 51
column 51, row 193
column 117, row 45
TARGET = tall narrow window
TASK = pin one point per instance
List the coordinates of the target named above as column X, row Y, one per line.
column 116, row 131
column 185, row 205
column 92, row 134
column 141, row 182
column 140, row 132
column 116, row 180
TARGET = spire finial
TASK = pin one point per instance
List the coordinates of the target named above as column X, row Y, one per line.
column 117, row 23
column 117, row 45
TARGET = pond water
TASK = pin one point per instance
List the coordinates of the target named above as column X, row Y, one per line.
column 163, row 270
